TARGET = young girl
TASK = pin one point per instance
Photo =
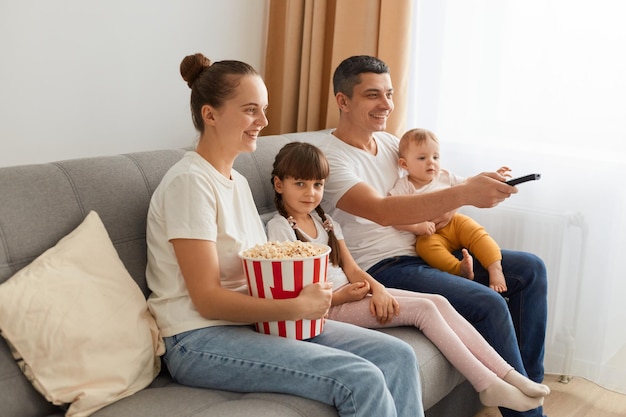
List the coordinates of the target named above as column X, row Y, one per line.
column 299, row 173
column 200, row 216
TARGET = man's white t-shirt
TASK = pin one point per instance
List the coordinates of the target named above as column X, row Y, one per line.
column 195, row 201
column 369, row 242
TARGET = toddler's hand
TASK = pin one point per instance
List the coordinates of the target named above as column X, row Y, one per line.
column 443, row 220
column 426, row 228
column 504, row 171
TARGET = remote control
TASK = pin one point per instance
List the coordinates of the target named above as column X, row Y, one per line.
column 519, row 180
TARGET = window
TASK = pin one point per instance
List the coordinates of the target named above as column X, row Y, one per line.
column 540, row 85
column 546, row 74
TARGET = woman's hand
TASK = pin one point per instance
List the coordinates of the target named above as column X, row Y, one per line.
column 384, row 306
column 314, row 300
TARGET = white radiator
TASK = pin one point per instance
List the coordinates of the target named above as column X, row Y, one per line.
column 558, row 239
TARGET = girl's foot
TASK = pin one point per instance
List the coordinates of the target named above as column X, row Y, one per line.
column 503, row 394
column 527, row 386
column 467, row 265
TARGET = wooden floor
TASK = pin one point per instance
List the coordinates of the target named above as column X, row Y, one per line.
column 578, row 398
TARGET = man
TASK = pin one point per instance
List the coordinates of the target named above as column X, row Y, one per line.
column 364, row 166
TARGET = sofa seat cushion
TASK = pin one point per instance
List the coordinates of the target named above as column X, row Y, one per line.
column 78, row 324
column 438, row 376
column 179, row 401
column 166, row 398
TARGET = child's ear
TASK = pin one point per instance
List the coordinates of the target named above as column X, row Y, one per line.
column 278, row 185
column 402, row 163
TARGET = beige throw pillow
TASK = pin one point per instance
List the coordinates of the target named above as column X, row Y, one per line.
column 79, row 325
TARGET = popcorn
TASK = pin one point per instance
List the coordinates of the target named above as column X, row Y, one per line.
column 284, row 250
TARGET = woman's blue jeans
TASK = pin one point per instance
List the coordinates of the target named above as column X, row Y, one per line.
column 361, row 372
column 514, row 323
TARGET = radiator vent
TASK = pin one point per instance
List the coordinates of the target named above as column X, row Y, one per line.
column 558, row 239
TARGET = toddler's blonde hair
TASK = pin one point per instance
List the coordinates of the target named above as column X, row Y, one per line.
column 416, row 136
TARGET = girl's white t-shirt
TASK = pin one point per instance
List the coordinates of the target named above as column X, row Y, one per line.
column 195, row 201
column 279, row 230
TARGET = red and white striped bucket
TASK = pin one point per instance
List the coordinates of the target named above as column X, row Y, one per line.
column 284, row 278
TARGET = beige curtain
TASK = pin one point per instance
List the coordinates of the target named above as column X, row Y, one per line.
column 307, row 39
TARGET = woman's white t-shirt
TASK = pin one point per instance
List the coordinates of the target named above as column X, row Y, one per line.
column 195, row 201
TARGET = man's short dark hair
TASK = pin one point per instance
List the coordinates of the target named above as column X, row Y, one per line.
column 348, row 73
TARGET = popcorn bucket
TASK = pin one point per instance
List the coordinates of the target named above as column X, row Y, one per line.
column 280, row 278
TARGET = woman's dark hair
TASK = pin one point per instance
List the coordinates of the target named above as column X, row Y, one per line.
column 211, row 83
column 348, row 72
column 304, row 161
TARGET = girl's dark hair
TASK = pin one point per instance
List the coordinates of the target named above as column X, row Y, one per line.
column 211, row 83
column 304, row 161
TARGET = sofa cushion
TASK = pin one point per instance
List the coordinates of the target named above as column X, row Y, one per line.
column 79, row 325
column 438, row 377
column 179, row 401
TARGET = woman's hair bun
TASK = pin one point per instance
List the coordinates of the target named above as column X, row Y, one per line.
column 192, row 66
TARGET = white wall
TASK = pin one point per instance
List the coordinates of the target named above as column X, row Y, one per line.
column 83, row 78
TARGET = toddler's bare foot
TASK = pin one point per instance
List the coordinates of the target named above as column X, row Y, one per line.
column 496, row 277
column 527, row 386
column 502, row 394
column 467, row 265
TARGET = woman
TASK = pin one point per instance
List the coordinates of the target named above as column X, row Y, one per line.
column 200, row 217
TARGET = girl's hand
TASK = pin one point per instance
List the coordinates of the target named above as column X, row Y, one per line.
column 314, row 300
column 384, row 306
column 354, row 291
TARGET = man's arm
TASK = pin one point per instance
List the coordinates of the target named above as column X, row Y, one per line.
column 484, row 191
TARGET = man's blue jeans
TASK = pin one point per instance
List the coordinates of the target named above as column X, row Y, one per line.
column 361, row 372
column 516, row 329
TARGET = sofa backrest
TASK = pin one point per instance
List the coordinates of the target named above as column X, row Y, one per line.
column 40, row 204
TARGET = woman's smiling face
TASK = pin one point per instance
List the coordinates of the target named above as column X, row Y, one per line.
column 243, row 115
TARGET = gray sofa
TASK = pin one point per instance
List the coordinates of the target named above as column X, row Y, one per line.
column 39, row 204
